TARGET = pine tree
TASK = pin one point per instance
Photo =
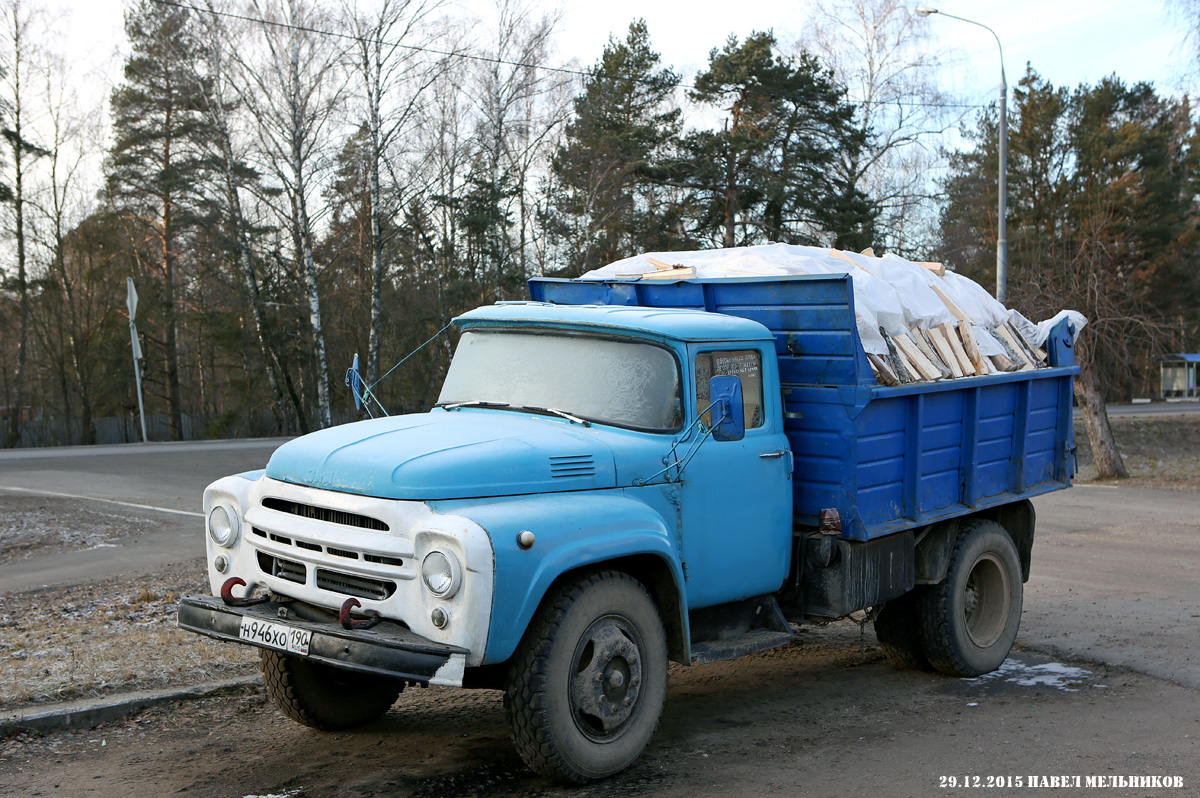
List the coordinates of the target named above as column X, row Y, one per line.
column 1102, row 220
column 624, row 121
column 766, row 173
column 154, row 167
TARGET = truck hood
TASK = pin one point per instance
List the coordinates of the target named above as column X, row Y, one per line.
column 458, row 454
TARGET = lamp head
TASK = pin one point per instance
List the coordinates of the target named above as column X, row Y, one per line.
column 924, row 11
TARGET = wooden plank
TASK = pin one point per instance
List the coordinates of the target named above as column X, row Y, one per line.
column 1039, row 355
column 837, row 253
column 926, row 349
column 964, row 362
column 1015, row 351
column 896, row 360
column 966, row 332
column 921, row 363
column 662, row 265
column 937, row 268
column 938, row 339
column 950, row 304
column 680, row 273
column 882, row 370
column 1002, row 363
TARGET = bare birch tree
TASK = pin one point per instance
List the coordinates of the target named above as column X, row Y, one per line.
column 512, row 132
column 17, row 32
column 293, row 93
column 75, row 136
column 392, row 75
column 232, row 176
column 883, row 53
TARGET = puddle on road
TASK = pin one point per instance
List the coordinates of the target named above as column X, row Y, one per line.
column 1028, row 674
column 1055, row 675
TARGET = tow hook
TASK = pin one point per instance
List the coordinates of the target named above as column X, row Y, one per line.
column 231, row 601
column 350, row 623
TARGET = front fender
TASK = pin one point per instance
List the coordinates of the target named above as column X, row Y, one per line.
column 571, row 530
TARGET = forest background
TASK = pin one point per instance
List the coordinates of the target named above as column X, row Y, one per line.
column 291, row 182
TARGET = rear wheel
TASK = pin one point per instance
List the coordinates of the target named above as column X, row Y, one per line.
column 898, row 635
column 969, row 620
column 587, row 683
column 325, row 697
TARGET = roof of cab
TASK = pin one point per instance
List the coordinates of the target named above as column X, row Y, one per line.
column 679, row 323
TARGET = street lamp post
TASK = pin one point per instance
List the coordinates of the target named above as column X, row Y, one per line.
column 1001, row 232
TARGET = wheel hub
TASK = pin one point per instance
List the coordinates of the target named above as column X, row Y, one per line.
column 986, row 600
column 606, row 679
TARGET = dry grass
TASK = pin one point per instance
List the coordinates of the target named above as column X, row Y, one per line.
column 108, row 637
column 1161, row 452
column 35, row 526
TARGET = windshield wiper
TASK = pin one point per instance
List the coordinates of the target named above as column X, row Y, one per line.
column 473, row 403
column 549, row 411
column 554, row 412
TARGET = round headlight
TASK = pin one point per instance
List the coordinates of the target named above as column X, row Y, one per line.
column 441, row 573
column 223, row 525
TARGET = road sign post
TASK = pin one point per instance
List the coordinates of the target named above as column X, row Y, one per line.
column 131, row 301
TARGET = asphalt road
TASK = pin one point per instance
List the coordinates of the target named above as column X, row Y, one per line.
column 1105, row 681
column 159, row 481
column 1153, row 409
column 166, row 475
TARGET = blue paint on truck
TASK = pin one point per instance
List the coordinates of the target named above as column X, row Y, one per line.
column 624, row 470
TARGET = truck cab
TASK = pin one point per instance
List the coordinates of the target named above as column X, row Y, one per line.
column 565, row 441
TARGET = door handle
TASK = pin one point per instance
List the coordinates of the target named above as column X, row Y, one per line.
column 776, row 453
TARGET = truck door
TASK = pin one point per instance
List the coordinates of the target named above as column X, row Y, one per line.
column 737, row 495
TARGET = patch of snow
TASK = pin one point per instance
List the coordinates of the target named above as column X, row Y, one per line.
column 1050, row 674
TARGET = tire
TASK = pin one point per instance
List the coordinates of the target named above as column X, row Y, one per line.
column 969, row 620
column 325, row 697
column 587, row 683
column 898, row 635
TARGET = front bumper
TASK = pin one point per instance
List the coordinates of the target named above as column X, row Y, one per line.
column 386, row 649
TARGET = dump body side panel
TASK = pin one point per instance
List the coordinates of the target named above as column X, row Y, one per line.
column 887, row 459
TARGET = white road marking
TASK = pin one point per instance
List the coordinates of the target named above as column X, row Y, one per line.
column 106, row 501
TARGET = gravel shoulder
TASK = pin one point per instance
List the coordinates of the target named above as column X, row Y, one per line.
column 824, row 716
column 109, row 637
column 1162, row 453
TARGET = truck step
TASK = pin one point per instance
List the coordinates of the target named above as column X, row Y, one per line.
column 749, row 643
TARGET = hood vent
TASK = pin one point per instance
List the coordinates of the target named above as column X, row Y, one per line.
column 572, row 465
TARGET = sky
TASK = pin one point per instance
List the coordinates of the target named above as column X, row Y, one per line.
column 1067, row 41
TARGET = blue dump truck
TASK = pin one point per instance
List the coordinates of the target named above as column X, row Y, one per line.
column 624, row 473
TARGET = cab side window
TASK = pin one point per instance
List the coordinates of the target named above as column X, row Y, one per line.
column 746, row 365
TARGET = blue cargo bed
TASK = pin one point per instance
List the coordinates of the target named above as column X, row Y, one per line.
column 887, row 458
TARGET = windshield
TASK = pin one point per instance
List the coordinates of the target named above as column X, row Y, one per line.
column 599, row 379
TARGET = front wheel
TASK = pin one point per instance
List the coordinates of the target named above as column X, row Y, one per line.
column 587, row 683
column 969, row 620
column 325, row 697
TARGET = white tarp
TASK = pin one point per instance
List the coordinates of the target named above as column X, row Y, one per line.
column 889, row 292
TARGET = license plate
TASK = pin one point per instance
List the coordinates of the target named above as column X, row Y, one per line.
column 275, row 635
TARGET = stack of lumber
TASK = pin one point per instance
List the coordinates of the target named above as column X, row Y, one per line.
column 950, row 351
column 917, row 321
